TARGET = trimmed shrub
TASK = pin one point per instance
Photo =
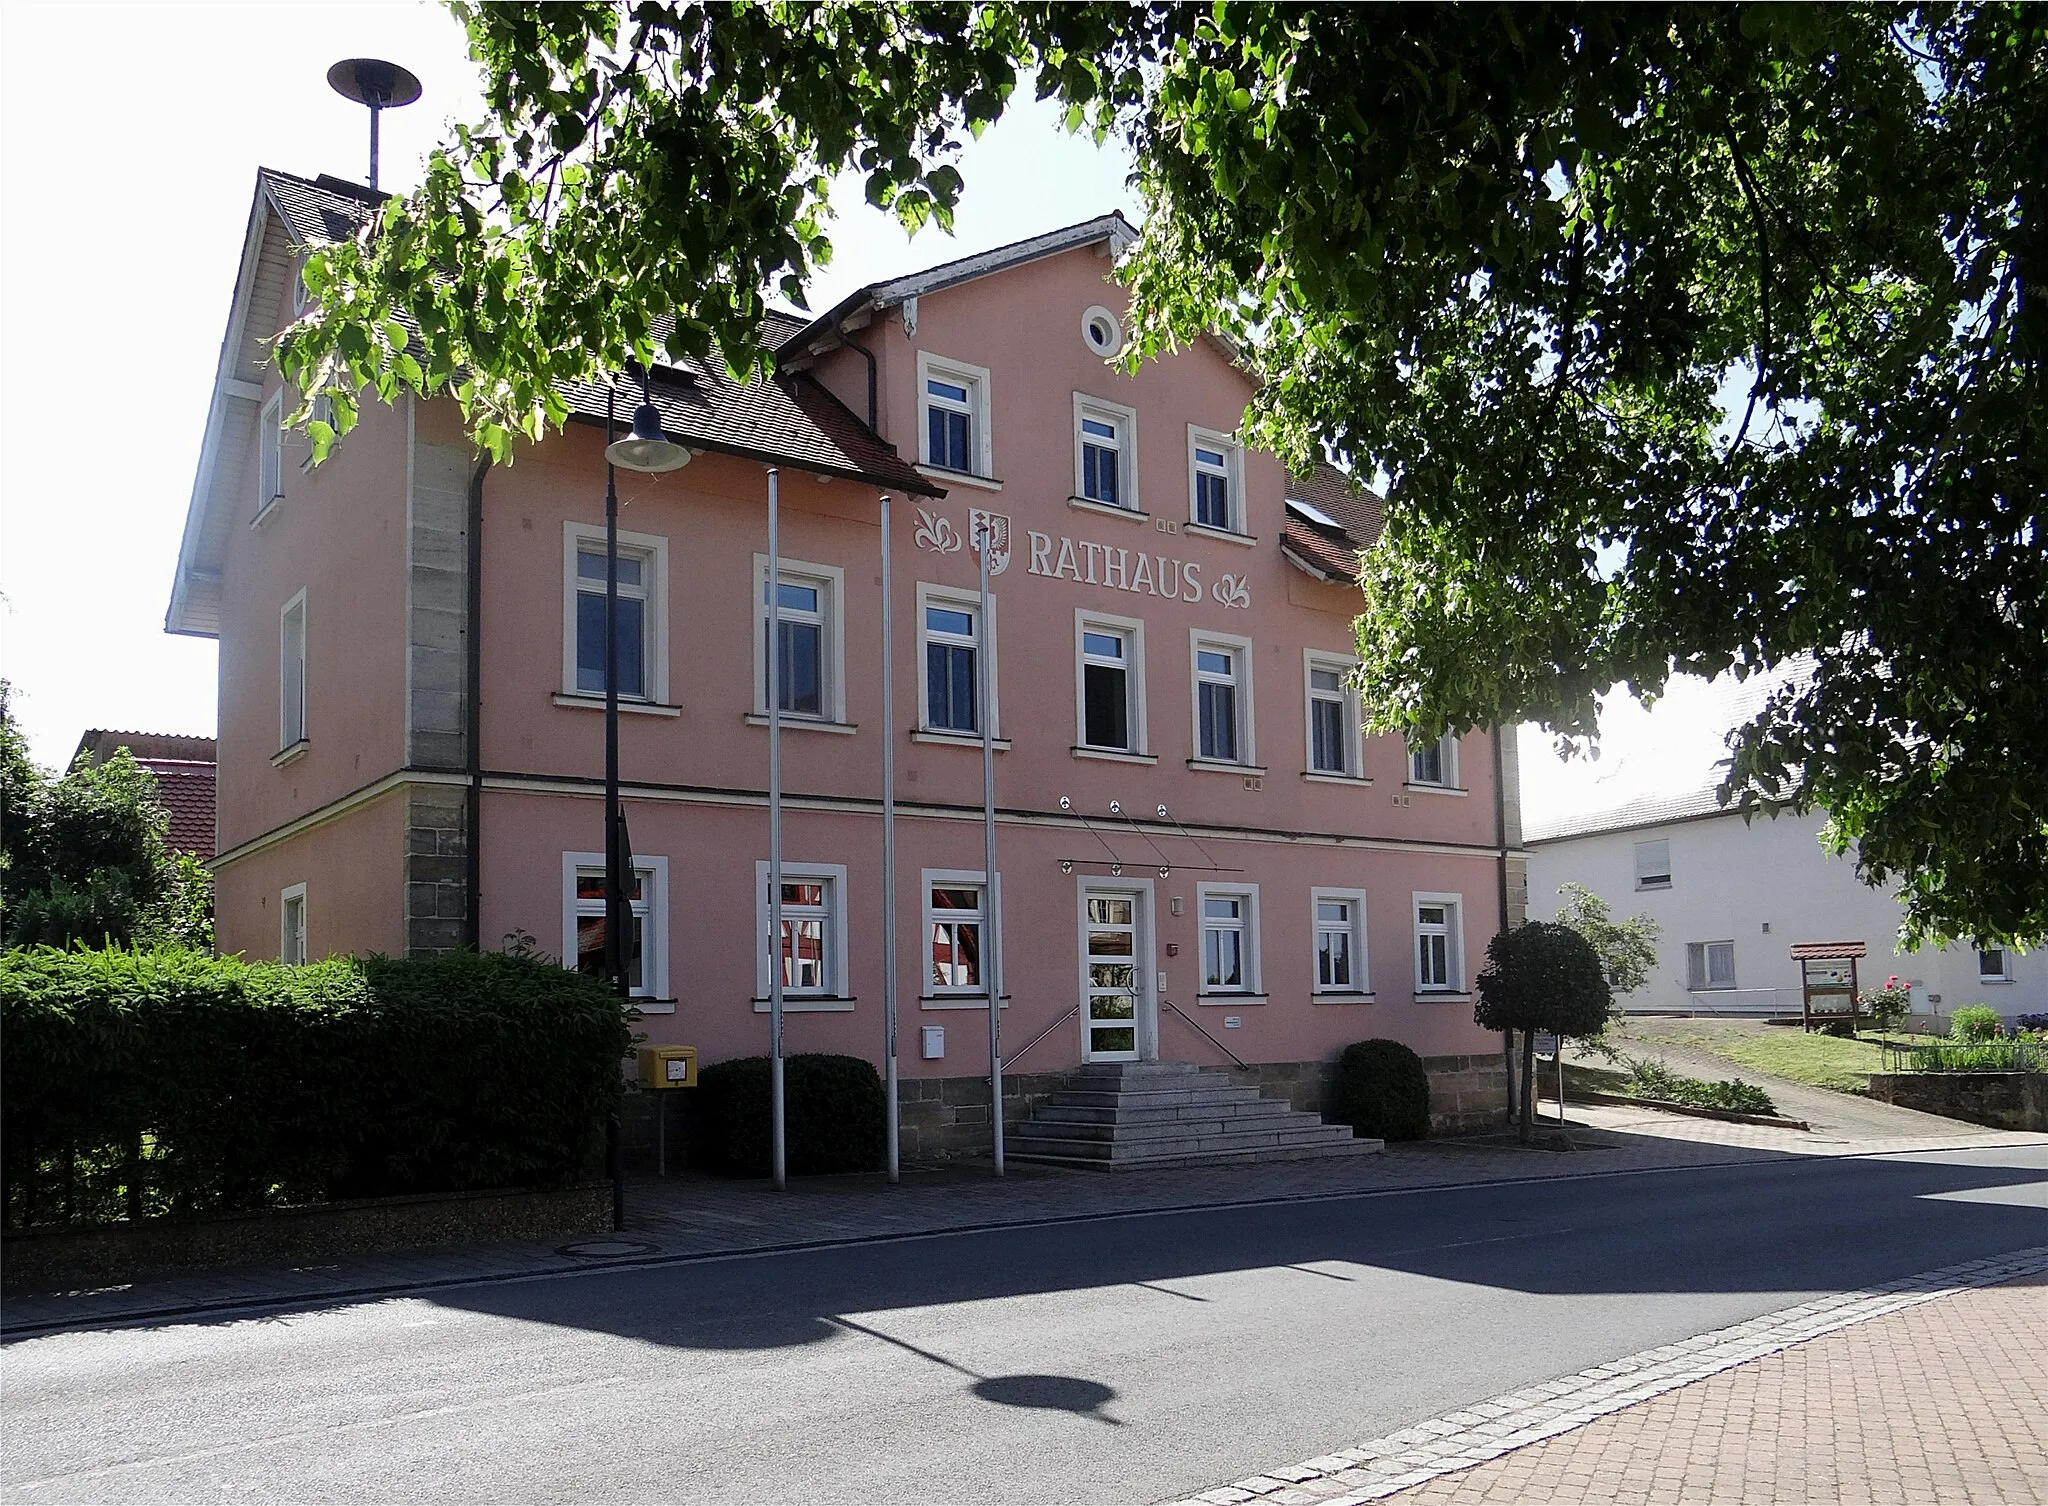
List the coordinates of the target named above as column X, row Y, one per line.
column 836, row 1115
column 172, row 1082
column 1977, row 1022
column 1654, row 1080
column 1381, row 1090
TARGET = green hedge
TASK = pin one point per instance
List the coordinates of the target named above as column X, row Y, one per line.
column 835, row 1115
column 1382, row 1091
column 150, row 1083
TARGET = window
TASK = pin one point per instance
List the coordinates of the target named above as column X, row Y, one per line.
column 1222, row 695
column 583, row 920
column 291, row 673
column 950, row 643
column 1230, row 939
column 1215, row 481
column 1111, row 681
column 1105, row 453
column 953, row 403
column 1340, row 941
column 809, row 664
column 812, row 948
column 291, row 926
column 270, row 452
column 1439, row 943
column 1434, row 763
column 1333, row 718
column 643, row 631
column 955, row 924
column 1991, row 967
column 1709, row 964
column 1653, row 864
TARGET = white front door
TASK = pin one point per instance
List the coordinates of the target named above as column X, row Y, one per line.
column 1112, row 974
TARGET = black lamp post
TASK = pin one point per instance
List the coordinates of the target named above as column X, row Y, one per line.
column 650, row 451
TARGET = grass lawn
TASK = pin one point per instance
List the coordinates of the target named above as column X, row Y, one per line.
column 1824, row 1061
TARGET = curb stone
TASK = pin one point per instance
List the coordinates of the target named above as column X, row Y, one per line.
column 1394, row 1462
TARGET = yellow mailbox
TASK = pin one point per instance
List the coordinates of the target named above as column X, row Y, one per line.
column 668, row 1066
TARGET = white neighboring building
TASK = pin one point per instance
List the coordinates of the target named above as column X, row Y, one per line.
column 1733, row 897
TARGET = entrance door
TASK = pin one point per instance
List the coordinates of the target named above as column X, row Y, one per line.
column 1110, row 982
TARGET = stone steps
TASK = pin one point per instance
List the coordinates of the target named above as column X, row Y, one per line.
column 1127, row 1115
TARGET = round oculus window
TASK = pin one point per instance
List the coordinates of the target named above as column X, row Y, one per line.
column 1104, row 334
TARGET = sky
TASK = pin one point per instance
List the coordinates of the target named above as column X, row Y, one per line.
column 184, row 102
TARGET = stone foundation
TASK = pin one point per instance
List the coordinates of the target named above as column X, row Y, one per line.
column 2002, row 1100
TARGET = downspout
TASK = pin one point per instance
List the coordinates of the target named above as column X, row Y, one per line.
column 1500, row 841
column 473, row 753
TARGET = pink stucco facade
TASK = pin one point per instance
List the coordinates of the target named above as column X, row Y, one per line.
column 352, row 814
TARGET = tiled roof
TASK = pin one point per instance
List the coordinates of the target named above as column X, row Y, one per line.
column 1825, row 951
column 319, row 209
column 1340, row 520
column 183, row 767
column 1645, row 810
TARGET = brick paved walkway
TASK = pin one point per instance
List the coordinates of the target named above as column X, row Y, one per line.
column 695, row 1217
column 1933, row 1389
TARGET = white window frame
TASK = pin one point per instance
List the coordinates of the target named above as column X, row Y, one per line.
column 1454, row 947
column 1354, row 740
column 1126, row 418
column 292, row 950
column 652, row 551
column 1233, row 474
column 1448, row 762
column 1248, row 927
column 289, row 735
column 2004, row 973
column 270, row 453
column 1649, row 873
column 651, row 907
column 1700, row 979
column 948, row 996
column 1132, row 631
column 833, row 994
column 1240, row 650
column 953, row 599
column 980, row 431
column 830, row 581
column 1361, row 966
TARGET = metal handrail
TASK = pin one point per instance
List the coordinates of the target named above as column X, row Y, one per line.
column 1011, row 1061
column 1242, row 1063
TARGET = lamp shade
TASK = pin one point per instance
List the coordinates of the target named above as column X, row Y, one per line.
column 647, row 448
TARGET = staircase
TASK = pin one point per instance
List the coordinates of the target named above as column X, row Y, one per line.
column 1118, row 1116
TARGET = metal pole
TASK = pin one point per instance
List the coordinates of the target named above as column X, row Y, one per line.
column 376, row 109
column 992, row 954
column 775, row 1085
column 616, row 916
column 894, row 1120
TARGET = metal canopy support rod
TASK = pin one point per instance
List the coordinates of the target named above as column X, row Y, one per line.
column 992, row 954
column 894, row 1120
column 776, row 1104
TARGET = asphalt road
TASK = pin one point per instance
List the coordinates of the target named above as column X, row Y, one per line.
column 1127, row 1359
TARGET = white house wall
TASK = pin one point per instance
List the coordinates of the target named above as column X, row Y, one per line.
column 1765, row 886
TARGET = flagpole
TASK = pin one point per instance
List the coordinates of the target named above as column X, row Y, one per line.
column 894, row 1112
column 776, row 1103
column 992, row 953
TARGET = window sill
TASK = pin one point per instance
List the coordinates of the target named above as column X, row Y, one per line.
column 1442, row 996
column 1226, row 999
column 809, row 1004
column 1227, row 535
column 1108, row 509
column 1645, row 886
column 1319, row 776
column 291, row 754
column 263, row 513
column 1218, row 766
column 794, row 723
column 958, row 1001
column 964, row 478
column 1114, row 755
column 1435, row 789
column 1342, row 996
column 2000, row 981
column 958, row 739
column 579, row 702
column 654, row 1006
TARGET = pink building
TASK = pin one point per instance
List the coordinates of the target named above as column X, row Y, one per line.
column 411, row 684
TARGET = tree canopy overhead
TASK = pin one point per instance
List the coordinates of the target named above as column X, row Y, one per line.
column 1698, row 337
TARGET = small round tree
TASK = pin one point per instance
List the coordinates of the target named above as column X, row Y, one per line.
column 1541, row 976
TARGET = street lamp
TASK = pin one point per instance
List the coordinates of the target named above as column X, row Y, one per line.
column 648, row 450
